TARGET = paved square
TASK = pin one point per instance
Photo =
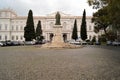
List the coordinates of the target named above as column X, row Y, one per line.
column 33, row 63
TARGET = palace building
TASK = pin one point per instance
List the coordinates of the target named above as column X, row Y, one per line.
column 12, row 25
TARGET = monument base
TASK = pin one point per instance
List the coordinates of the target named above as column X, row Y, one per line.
column 60, row 45
column 57, row 41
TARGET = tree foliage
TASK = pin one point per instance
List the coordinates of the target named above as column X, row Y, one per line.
column 74, row 32
column 114, row 13
column 112, row 8
column 98, row 3
column 39, row 36
column 83, row 31
column 100, row 19
column 29, row 31
column 111, row 19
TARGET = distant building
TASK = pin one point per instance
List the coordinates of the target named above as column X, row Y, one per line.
column 12, row 25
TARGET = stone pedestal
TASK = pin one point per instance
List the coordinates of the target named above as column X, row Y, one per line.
column 57, row 41
column 58, row 37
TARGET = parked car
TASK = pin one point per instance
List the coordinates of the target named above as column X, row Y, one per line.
column 116, row 43
column 90, row 43
column 8, row 43
column 97, row 43
column 2, row 43
column 15, row 43
column 29, row 42
column 21, row 42
column 83, row 43
column 74, row 42
column 38, row 42
column 109, row 43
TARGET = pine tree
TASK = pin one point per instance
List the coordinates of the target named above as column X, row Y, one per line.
column 74, row 32
column 29, row 31
column 83, row 27
column 39, row 31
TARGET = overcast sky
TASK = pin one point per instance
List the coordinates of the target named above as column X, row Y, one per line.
column 44, row 7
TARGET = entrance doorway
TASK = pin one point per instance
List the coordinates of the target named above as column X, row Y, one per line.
column 65, row 37
column 51, row 36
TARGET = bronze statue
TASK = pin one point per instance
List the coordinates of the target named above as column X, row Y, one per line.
column 57, row 19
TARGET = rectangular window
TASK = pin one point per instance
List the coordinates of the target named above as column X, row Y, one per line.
column 0, row 14
column 16, row 21
column 21, row 38
column 12, row 37
column 6, row 14
column 12, row 21
column 16, row 27
column 16, row 37
column 12, row 27
column 0, row 37
column 90, row 37
column 6, row 26
column 0, row 26
column 89, row 27
column 5, row 37
column 21, row 28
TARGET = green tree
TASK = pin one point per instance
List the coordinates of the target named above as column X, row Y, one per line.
column 74, row 32
column 113, row 9
column 113, row 12
column 39, row 36
column 98, row 3
column 29, row 31
column 100, row 20
column 83, row 27
column 94, row 39
column 112, row 35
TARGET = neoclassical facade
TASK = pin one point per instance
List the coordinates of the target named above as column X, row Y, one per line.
column 12, row 25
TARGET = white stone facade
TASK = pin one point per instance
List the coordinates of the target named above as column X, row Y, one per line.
column 12, row 25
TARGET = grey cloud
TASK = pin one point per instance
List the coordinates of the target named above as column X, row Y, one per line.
column 43, row 7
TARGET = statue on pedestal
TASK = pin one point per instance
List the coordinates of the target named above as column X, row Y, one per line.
column 57, row 19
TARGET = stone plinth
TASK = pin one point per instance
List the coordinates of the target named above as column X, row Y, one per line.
column 58, row 37
column 57, row 41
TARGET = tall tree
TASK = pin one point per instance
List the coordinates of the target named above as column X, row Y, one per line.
column 74, row 32
column 39, row 31
column 29, row 31
column 83, row 31
column 100, row 19
column 114, row 13
column 98, row 3
column 113, row 9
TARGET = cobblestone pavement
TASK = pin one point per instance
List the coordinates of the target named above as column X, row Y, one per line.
column 33, row 63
